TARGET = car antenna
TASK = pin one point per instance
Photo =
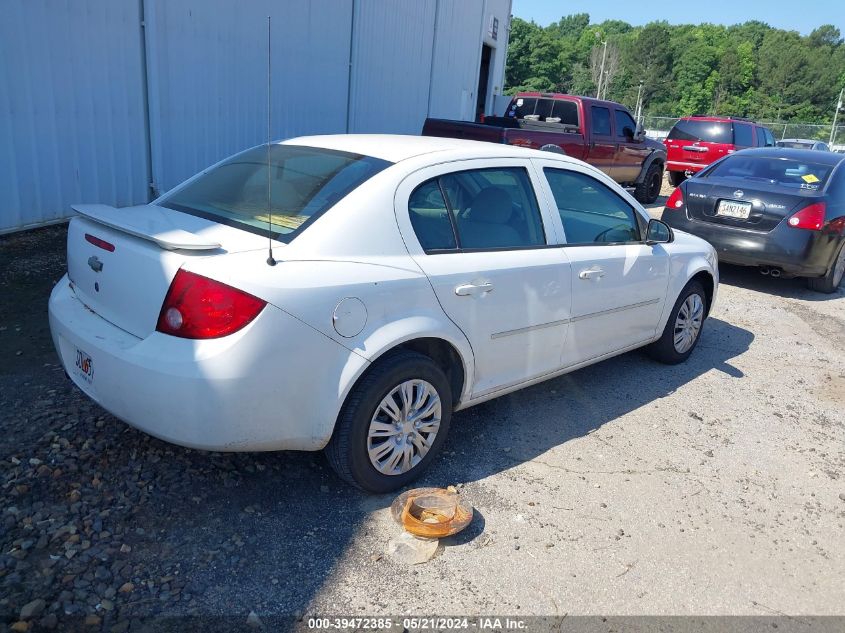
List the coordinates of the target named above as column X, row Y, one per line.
column 271, row 261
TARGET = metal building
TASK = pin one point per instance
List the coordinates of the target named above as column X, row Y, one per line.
column 114, row 101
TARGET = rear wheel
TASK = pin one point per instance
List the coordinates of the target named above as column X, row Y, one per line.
column 393, row 423
column 683, row 329
column 830, row 282
column 648, row 190
column 676, row 178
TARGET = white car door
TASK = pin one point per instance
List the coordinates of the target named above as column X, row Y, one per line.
column 478, row 232
column 619, row 283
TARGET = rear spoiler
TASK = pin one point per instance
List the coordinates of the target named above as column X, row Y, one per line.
column 147, row 222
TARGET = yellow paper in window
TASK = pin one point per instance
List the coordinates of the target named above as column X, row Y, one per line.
column 809, row 178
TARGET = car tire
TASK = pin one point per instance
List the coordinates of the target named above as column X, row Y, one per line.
column 649, row 189
column 665, row 349
column 676, row 178
column 830, row 282
column 348, row 451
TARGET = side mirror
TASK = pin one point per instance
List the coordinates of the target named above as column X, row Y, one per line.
column 639, row 135
column 658, row 233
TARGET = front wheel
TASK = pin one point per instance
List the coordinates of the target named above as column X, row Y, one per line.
column 830, row 282
column 649, row 189
column 683, row 329
column 392, row 424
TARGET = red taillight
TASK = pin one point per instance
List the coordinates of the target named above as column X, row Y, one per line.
column 198, row 307
column 676, row 200
column 96, row 241
column 810, row 217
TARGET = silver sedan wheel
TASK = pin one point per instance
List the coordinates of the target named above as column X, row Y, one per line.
column 403, row 427
column 688, row 323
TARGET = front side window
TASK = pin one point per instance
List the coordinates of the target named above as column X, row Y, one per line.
column 483, row 209
column 601, row 120
column 304, row 182
column 624, row 120
column 590, row 212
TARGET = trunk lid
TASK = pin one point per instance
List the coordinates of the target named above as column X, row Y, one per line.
column 769, row 205
column 121, row 261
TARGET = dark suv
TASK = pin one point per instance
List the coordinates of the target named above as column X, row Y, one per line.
column 696, row 141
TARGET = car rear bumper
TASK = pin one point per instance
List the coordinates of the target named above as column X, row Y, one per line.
column 674, row 165
column 794, row 251
column 276, row 384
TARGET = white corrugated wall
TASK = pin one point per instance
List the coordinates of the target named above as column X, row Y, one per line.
column 72, row 124
column 77, row 77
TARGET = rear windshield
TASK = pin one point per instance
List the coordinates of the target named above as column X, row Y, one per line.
column 795, row 144
column 708, row 131
column 304, row 183
column 560, row 111
column 786, row 172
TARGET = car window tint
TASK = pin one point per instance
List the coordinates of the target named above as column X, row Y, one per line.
column 430, row 217
column 770, row 140
column 566, row 111
column 304, row 182
column 742, row 135
column 494, row 208
column 786, row 172
column 521, row 106
column 623, row 120
column 708, row 131
column 591, row 213
column 601, row 120
column 544, row 109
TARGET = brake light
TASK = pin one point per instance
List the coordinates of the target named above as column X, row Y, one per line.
column 197, row 307
column 96, row 241
column 676, row 200
column 810, row 217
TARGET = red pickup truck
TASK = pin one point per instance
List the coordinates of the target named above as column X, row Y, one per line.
column 601, row 133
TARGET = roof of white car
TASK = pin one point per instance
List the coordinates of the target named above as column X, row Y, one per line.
column 397, row 147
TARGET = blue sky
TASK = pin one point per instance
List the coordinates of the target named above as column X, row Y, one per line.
column 799, row 16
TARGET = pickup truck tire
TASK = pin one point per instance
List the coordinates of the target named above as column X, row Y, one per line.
column 551, row 147
column 676, row 178
column 649, row 189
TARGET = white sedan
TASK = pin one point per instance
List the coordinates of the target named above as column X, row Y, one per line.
column 348, row 293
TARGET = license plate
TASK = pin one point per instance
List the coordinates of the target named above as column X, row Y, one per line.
column 733, row 209
column 84, row 366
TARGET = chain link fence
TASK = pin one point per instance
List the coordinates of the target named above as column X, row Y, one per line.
column 658, row 127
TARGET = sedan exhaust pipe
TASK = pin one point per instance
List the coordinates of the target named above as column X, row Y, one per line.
column 764, row 270
column 775, row 272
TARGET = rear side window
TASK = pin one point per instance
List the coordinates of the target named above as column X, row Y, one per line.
column 590, row 212
column 708, row 131
column 601, row 120
column 786, row 172
column 743, row 136
column 303, row 183
column 770, row 140
column 430, row 217
column 484, row 209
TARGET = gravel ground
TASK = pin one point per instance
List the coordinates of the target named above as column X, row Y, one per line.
column 712, row 488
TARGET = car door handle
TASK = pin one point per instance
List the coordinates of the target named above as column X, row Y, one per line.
column 466, row 290
column 591, row 273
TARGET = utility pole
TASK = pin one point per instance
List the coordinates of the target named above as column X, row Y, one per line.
column 639, row 108
column 601, row 71
column 835, row 116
